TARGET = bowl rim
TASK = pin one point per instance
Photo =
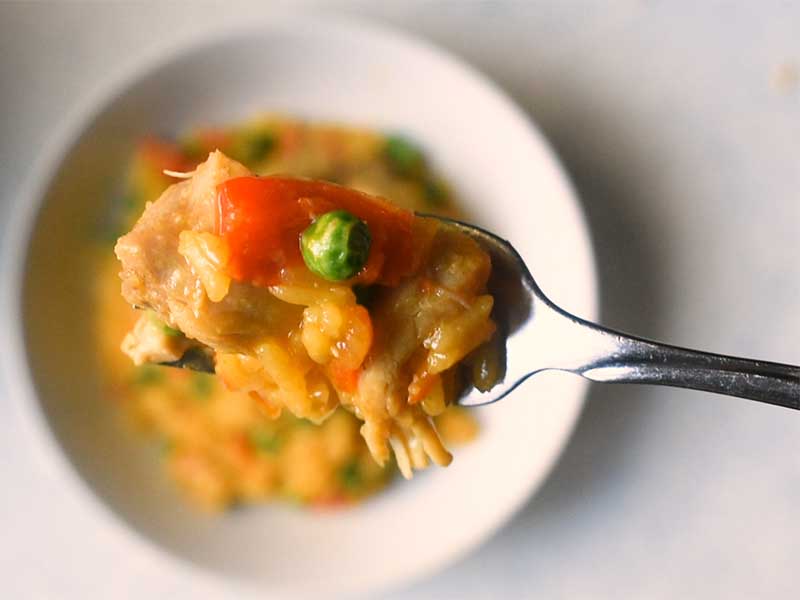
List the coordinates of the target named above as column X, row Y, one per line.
column 29, row 200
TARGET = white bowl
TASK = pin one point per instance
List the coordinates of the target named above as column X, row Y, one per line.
column 509, row 181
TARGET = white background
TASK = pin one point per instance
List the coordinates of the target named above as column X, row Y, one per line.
column 680, row 124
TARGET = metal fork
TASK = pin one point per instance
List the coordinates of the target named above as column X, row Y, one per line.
column 543, row 336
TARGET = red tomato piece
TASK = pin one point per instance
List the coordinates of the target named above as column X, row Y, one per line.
column 261, row 218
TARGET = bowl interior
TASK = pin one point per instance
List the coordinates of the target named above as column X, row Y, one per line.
column 507, row 180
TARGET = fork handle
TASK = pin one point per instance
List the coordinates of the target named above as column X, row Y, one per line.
column 636, row 360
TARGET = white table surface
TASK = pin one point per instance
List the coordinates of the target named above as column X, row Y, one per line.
column 680, row 124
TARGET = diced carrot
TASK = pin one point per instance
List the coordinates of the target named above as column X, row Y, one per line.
column 343, row 378
column 332, row 501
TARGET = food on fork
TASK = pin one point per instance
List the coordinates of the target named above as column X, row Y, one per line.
column 311, row 295
column 220, row 446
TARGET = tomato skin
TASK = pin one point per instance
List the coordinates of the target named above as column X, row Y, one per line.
column 261, row 228
column 261, row 218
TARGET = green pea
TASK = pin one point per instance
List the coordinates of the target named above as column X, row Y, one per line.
column 148, row 375
column 487, row 363
column 168, row 331
column 350, row 475
column 264, row 440
column 201, row 385
column 336, row 245
column 253, row 146
column 404, row 156
column 192, row 148
column 435, row 193
column 171, row 332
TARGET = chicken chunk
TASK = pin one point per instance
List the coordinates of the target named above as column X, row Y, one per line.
column 156, row 275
